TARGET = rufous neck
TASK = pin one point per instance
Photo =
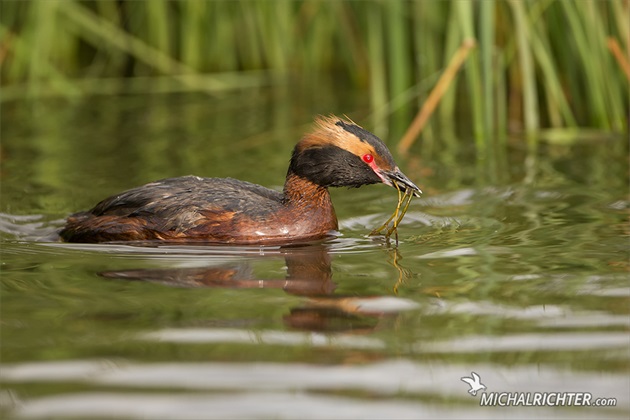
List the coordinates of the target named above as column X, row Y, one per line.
column 299, row 190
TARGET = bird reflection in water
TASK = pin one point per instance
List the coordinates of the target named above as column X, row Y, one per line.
column 308, row 274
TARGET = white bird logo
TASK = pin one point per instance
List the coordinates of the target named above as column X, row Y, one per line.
column 475, row 383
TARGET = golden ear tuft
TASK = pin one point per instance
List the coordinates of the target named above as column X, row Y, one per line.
column 330, row 121
column 328, row 132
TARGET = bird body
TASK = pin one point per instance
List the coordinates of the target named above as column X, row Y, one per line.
column 225, row 210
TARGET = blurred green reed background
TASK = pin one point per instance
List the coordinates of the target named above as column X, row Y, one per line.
column 543, row 67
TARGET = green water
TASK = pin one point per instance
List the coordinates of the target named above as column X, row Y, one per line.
column 514, row 267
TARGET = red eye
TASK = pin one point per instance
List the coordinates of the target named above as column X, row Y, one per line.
column 368, row 158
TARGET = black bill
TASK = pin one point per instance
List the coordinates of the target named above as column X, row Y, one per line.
column 400, row 179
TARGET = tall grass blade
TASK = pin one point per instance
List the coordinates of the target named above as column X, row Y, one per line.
column 467, row 21
column 530, row 96
column 399, row 63
column 595, row 90
column 558, row 106
column 378, row 88
column 453, row 40
column 486, row 49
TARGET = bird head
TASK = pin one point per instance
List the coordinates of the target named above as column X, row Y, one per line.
column 339, row 153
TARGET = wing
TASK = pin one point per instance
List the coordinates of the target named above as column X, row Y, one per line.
column 189, row 191
column 182, row 201
column 171, row 207
column 469, row 381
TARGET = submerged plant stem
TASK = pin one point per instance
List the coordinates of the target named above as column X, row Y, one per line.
column 397, row 216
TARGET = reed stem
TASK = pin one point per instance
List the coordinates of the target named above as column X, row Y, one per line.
column 436, row 94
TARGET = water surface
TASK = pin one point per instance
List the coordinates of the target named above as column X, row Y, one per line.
column 516, row 269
